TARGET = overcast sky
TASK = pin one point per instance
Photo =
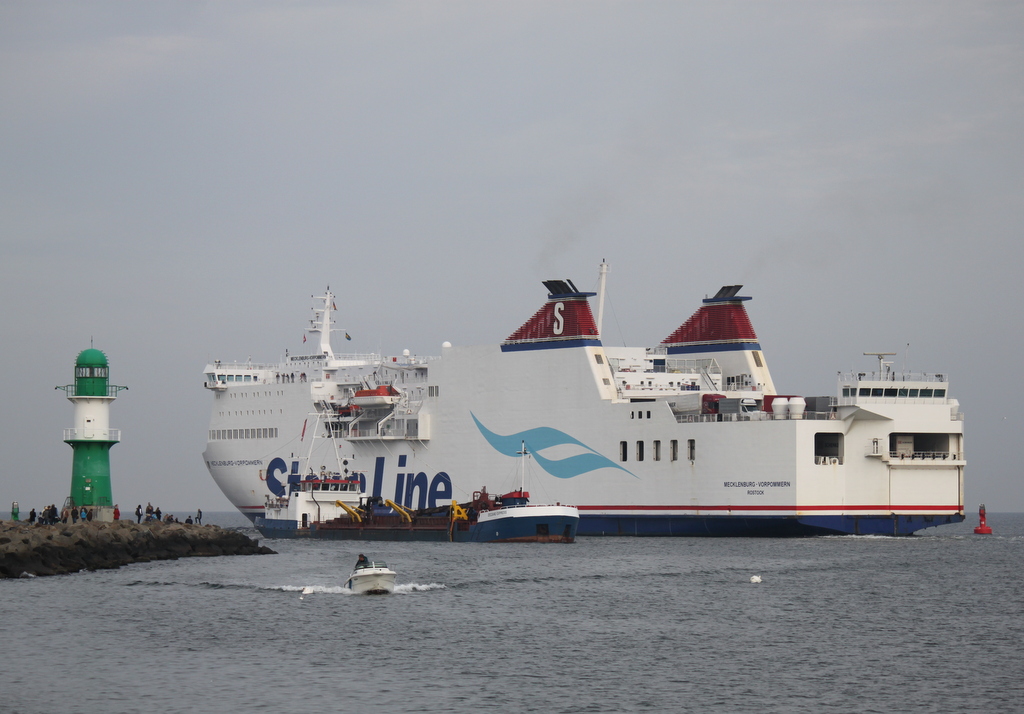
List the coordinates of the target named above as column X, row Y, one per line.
column 179, row 178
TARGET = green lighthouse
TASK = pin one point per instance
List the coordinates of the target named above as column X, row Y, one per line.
column 91, row 437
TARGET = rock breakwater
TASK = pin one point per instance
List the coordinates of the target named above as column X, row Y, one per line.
column 27, row 550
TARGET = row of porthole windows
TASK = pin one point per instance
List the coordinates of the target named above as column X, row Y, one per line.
column 262, row 433
column 640, row 450
column 249, row 412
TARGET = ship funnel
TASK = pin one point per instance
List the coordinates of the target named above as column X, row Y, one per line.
column 565, row 320
column 720, row 329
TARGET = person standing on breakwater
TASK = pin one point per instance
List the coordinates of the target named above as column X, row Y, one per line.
column 74, row 515
column 84, row 513
column 32, row 516
column 138, row 513
column 199, row 516
column 117, row 513
column 149, row 510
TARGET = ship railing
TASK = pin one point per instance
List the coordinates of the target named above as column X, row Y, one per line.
column 388, row 430
column 244, row 366
column 751, row 416
column 87, row 433
column 625, row 391
column 891, row 376
column 925, row 456
column 853, row 401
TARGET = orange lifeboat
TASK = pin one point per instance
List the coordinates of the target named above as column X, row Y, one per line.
column 377, row 397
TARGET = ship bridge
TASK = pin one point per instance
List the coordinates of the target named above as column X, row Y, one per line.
column 890, row 387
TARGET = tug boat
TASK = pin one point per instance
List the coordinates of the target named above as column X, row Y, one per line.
column 336, row 508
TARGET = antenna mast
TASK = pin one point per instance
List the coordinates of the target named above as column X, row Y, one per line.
column 602, row 277
column 881, row 360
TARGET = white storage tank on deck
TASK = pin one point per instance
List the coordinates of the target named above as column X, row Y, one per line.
column 797, row 407
column 780, row 407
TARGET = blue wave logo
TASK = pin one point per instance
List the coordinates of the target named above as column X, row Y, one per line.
column 544, row 437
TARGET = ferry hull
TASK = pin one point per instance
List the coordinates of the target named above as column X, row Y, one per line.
column 759, row 526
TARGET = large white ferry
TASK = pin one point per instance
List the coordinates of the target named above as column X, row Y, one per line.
column 688, row 437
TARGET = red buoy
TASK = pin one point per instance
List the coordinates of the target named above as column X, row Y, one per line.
column 982, row 529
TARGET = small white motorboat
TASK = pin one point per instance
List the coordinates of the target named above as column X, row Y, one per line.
column 371, row 577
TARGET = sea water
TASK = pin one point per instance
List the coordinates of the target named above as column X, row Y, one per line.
column 932, row 622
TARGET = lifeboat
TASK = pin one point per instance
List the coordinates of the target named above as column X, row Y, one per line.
column 384, row 396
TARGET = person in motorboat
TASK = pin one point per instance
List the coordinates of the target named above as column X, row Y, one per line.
column 362, row 562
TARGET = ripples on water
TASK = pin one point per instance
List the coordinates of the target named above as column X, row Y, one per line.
column 843, row 624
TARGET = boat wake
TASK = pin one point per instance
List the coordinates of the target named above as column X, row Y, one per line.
column 416, row 587
column 301, row 589
column 404, row 588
